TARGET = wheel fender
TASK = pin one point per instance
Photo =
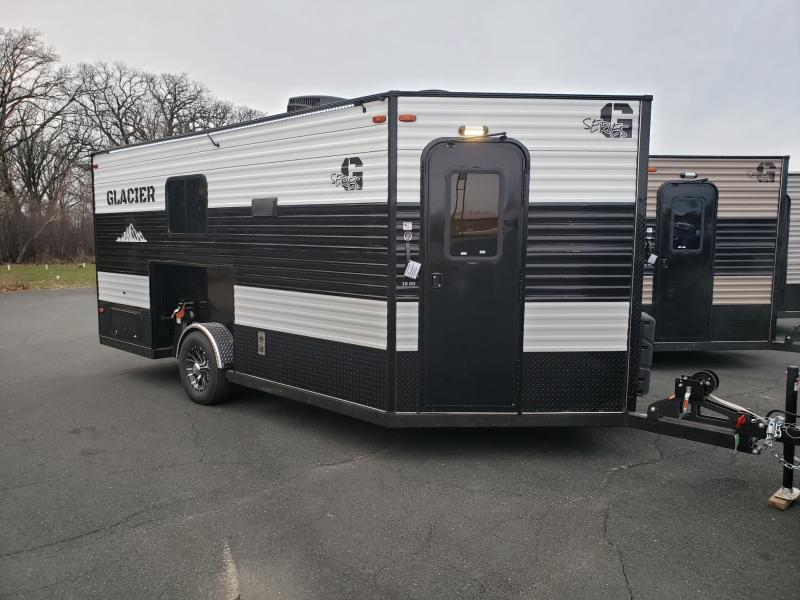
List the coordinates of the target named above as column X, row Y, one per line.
column 220, row 338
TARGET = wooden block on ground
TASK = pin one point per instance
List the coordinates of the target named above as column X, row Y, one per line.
column 783, row 498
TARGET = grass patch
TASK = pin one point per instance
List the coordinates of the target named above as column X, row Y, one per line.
column 55, row 276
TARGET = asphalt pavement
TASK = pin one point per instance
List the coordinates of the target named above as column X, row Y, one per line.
column 114, row 485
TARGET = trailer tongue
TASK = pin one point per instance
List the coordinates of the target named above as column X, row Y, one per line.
column 693, row 412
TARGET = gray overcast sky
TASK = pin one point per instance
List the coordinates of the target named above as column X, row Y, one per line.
column 725, row 74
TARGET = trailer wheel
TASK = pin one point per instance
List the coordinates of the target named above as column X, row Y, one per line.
column 203, row 381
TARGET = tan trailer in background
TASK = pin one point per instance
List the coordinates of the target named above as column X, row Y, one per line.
column 717, row 227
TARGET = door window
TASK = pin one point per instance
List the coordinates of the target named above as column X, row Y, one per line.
column 687, row 224
column 474, row 214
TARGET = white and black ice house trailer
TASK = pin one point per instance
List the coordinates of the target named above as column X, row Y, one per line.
column 791, row 293
column 409, row 258
column 717, row 229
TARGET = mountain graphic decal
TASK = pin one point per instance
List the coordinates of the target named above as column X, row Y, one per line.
column 131, row 235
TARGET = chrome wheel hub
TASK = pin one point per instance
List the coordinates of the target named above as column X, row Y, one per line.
column 198, row 371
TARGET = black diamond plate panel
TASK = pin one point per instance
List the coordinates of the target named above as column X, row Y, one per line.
column 573, row 381
column 344, row 371
column 740, row 322
column 407, row 373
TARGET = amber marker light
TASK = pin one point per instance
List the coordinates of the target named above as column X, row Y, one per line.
column 407, row 118
column 473, row 131
column 379, row 119
column 651, row 169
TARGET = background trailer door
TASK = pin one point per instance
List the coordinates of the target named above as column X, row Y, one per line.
column 726, row 292
column 684, row 274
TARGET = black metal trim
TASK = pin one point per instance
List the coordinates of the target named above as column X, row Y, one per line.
column 430, row 419
column 391, row 262
column 94, row 232
column 136, row 348
column 723, row 345
column 637, row 267
column 781, row 260
column 446, row 94
column 723, row 156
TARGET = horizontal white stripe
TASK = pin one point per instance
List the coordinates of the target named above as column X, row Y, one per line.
column 132, row 290
column 292, row 160
column 568, row 164
column 407, row 331
column 575, row 326
column 337, row 318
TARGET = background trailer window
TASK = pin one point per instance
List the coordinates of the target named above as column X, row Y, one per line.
column 474, row 211
column 187, row 204
column 687, row 224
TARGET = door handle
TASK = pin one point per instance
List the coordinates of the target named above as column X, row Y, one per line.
column 664, row 263
column 437, row 280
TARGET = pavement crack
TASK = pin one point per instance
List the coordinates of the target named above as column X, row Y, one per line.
column 72, row 538
column 196, row 436
column 624, row 573
column 360, row 457
column 604, row 533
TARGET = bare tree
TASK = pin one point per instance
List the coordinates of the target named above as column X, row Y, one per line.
column 52, row 118
column 34, row 91
column 115, row 101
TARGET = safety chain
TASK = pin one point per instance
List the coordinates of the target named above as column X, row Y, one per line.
column 775, row 430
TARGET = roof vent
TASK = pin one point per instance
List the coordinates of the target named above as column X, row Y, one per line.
column 306, row 102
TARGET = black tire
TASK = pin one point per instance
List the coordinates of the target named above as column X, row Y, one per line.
column 202, row 380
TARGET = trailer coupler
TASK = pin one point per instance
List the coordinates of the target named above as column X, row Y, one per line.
column 693, row 412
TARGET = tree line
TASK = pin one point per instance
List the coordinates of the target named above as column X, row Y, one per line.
column 53, row 116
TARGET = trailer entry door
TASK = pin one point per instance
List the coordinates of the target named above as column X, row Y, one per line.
column 474, row 217
column 684, row 279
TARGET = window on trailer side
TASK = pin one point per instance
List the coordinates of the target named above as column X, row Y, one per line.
column 187, row 204
column 474, row 214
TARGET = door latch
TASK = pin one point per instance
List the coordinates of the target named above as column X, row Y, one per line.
column 663, row 263
column 437, row 279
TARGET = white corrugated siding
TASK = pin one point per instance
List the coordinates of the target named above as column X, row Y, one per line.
column 743, row 290
column 740, row 194
column 407, row 329
column 568, row 164
column 291, row 159
column 133, row 290
column 341, row 319
column 793, row 263
column 576, row 326
column 647, row 289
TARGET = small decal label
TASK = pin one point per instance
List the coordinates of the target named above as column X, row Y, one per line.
column 408, row 226
column 763, row 173
column 651, row 260
column 262, row 343
column 412, row 269
column 407, row 236
column 610, row 124
column 349, row 179
column 131, row 234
